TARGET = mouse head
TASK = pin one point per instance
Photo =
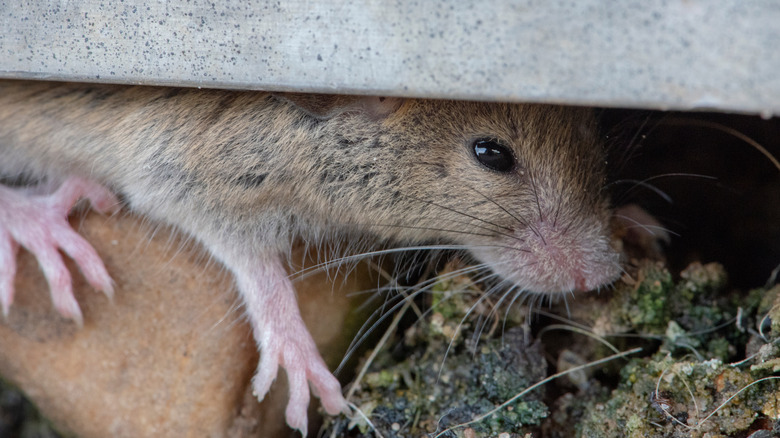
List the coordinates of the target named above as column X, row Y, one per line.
column 519, row 186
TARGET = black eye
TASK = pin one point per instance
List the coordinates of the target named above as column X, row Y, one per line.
column 494, row 155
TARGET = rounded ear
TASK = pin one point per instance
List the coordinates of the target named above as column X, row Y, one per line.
column 325, row 106
column 380, row 107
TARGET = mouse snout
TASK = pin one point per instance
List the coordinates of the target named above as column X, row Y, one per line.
column 566, row 259
column 546, row 257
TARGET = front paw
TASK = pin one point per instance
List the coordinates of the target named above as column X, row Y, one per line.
column 39, row 223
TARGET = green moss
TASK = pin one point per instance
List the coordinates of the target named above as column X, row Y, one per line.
column 649, row 306
column 451, row 368
column 687, row 393
column 720, row 348
column 769, row 308
column 674, row 391
column 426, row 390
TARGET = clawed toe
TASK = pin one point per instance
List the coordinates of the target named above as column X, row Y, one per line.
column 285, row 342
column 39, row 223
column 303, row 367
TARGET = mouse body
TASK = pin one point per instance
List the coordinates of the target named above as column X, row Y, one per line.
column 519, row 186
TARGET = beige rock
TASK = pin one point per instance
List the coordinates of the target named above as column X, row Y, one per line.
column 172, row 355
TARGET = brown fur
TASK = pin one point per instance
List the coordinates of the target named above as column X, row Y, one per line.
column 238, row 167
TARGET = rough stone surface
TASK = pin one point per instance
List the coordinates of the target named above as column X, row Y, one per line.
column 682, row 54
column 172, row 354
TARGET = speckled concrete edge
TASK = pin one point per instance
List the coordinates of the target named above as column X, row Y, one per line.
column 691, row 54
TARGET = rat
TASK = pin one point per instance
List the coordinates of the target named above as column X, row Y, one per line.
column 519, row 186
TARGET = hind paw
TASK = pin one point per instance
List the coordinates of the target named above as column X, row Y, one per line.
column 296, row 352
column 285, row 342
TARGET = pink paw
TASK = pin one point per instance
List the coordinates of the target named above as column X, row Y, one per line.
column 298, row 355
column 39, row 223
column 284, row 340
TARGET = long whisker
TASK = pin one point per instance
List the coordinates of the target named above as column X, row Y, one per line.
column 638, row 183
column 517, row 294
column 649, row 228
column 568, row 321
column 311, row 269
column 460, row 324
column 538, row 204
column 513, row 216
column 682, row 121
column 416, row 227
column 482, row 278
column 536, row 194
column 478, row 334
column 345, row 259
column 566, row 302
column 457, row 330
column 459, row 212
column 371, row 324
column 360, row 338
column 643, row 183
column 633, row 143
column 468, row 233
column 425, row 286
